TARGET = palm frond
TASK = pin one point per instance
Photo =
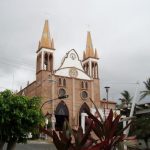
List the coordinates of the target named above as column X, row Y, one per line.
column 144, row 94
column 147, row 84
column 126, row 96
column 147, row 91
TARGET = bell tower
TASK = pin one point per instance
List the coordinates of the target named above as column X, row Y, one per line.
column 90, row 59
column 45, row 51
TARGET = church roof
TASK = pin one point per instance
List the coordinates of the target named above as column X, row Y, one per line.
column 46, row 41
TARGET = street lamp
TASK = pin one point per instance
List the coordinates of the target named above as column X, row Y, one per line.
column 51, row 100
column 107, row 90
column 53, row 115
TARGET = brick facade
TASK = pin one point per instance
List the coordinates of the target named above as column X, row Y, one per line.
column 47, row 83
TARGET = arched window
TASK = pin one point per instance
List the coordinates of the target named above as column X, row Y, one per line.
column 86, row 85
column 61, row 114
column 51, row 62
column 46, row 62
column 64, row 82
column 83, row 109
column 93, row 70
column 87, row 68
column 59, row 82
column 96, row 70
column 82, row 84
column 38, row 63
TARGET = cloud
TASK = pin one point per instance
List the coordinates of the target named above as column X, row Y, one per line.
column 120, row 31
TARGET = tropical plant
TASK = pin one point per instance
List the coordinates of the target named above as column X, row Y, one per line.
column 147, row 91
column 125, row 103
column 107, row 131
column 141, row 127
column 126, row 98
column 63, row 139
column 19, row 116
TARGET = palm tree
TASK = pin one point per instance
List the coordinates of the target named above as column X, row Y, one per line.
column 147, row 91
column 125, row 103
column 126, row 99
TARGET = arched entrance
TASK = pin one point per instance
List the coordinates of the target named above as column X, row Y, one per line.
column 82, row 110
column 61, row 114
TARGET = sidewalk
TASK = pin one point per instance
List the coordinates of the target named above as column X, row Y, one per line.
column 41, row 141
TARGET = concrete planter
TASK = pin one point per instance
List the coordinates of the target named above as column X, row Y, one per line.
column 11, row 146
column 2, row 145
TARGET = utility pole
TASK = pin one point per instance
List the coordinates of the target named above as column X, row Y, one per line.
column 133, row 104
column 107, row 90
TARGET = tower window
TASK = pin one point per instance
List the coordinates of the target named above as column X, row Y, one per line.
column 38, row 63
column 46, row 62
column 51, row 62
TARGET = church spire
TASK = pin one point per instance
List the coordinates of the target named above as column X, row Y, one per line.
column 46, row 41
column 90, row 58
column 89, row 51
column 89, row 46
column 84, row 55
column 96, row 54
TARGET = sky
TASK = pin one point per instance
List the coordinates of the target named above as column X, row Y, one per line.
column 120, row 31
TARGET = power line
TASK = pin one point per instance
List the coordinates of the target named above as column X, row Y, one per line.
column 16, row 59
column 2, row 87
column 16, row 65
column 134, row 83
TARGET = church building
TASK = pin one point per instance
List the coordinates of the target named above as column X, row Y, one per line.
column 79, row 79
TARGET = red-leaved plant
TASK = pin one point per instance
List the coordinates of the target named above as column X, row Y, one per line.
column 107, row 131
column 63, row 140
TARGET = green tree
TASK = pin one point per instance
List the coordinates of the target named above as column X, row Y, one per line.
column 147, row 91
column 141, row 127
column 19, row 116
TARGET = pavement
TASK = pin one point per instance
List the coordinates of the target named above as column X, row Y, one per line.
column 34, row 145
